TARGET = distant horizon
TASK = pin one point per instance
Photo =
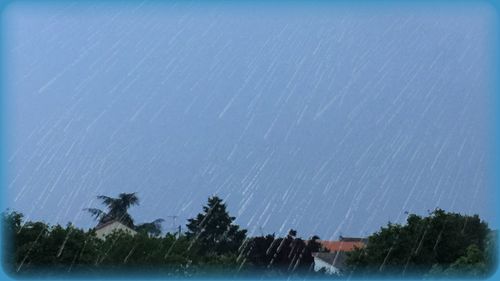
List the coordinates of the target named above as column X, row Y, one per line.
column 330, row 120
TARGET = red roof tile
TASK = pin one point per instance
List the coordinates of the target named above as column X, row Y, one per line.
column 342, row 246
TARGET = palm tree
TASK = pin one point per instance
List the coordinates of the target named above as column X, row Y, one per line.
column 117, row 210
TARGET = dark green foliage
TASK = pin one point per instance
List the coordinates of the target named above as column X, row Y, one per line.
column 39, row 245
column 475, row 263
column 141, row 250
column 472, row 264
column 289, row 254
column 43, row 249
column 12, row 222
column 439, row 245
column 414, row 248
column 213, row 233
column 152, row 228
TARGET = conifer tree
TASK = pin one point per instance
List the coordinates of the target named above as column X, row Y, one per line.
column 213, row 230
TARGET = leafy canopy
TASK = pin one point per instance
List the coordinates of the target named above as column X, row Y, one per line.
column 414, row 248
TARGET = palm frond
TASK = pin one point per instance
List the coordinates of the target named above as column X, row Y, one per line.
column 128, row 199
column 106, row 200
column 96, row 213
column 116, row 208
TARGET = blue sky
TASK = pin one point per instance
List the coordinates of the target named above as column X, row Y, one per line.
column 326, row 119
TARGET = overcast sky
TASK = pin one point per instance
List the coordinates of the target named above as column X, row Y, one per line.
column 326, row 119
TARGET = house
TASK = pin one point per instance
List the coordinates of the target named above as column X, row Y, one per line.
column 104, row 229
column 333, row 262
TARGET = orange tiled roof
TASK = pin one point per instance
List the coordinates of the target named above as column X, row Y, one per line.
column 342, row 246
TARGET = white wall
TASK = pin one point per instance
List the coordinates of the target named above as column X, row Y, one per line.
column 319, row 264
column 115, row 226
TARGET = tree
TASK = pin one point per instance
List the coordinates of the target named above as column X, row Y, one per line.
column 475, row 263
column 36, row 246
column 282, row 255
column 12, row 223
column 152, row 228
column 118, row 210
column 441, row 239
column 472, row 264
column 40, row 250
column 212, row 232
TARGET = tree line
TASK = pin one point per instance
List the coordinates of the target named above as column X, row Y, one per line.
column 441, row 244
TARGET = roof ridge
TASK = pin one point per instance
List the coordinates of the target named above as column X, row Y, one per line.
column 101, row 225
